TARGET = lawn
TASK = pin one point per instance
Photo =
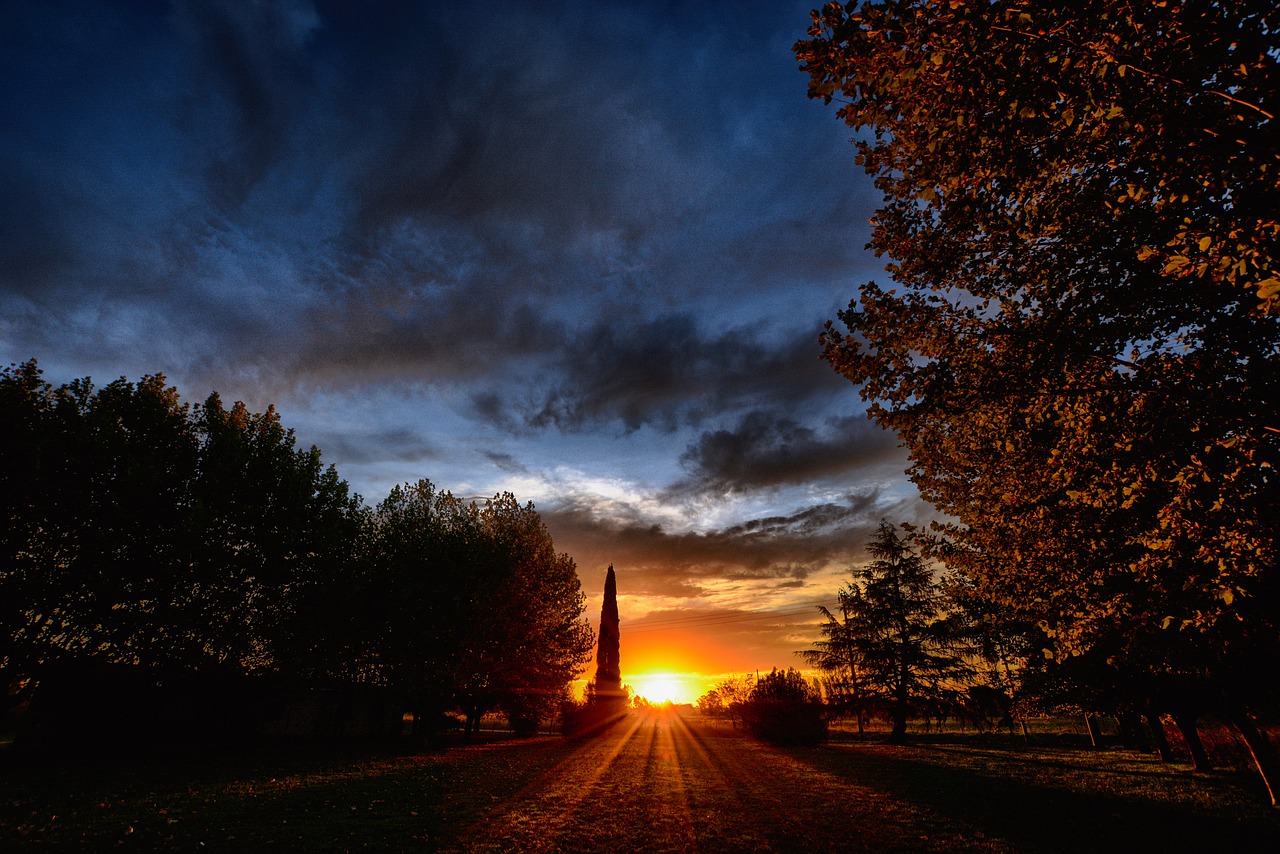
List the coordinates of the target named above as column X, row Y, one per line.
column 651, row 784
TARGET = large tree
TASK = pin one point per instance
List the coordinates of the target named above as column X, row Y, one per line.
column 469, row 607
column 893, row 632
column 529, row 639
column 140, row 533
column 155, row 555
column 1081, row 348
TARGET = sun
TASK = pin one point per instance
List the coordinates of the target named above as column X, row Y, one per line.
column 660, row 687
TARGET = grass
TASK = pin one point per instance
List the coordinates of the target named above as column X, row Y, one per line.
column 651, row 784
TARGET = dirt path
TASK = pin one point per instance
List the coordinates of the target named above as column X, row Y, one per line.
column 650, row 784
column 666, row 784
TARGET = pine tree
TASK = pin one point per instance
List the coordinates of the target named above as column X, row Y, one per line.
column 896, row 626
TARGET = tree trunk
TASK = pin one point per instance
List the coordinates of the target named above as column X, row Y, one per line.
column 1132, row 733
column 1095, row 734
column 898, row 735
column 1158, row 736
column 1008, row 677
column 473, row 724
column 858, row 701
column 1187, row 726
column 1264, row 755
column 901, row 699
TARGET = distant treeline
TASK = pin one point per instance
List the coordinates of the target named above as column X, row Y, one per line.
column 166, row 561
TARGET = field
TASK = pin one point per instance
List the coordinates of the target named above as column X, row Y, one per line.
column 659, row 783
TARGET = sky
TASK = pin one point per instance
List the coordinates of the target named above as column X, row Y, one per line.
column 579, row 252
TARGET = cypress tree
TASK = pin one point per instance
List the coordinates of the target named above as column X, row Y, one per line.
column 608, row 652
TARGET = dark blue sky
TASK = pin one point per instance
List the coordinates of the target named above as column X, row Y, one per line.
column 581, row 253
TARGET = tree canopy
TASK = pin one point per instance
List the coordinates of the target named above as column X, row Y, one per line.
column 144, row 534
column 892, row 642
column 785, row 709
column 472, row 606
column 1080, row 354
column 140, row 530
column 1080, row 349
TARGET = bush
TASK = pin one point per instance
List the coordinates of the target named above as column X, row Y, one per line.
column 784, row 709
column 594, row 715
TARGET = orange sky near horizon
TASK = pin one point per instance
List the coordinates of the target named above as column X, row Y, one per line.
column 679, row 654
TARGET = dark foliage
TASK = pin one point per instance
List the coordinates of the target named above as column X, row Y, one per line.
column 189, row 566
column 785, row 709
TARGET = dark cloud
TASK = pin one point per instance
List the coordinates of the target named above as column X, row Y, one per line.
column 786, row 547
column 549, row 244
column 669, row 372
column 254, row 80
column 768, row 449
column 397, row 444
column 410, row 199
column 506, row 462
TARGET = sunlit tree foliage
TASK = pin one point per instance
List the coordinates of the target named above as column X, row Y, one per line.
column 1081, row 349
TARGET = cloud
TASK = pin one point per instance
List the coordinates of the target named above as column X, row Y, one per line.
column 253, row 81
column 307, row 197
column 667, row 372
column 564, row 249
column 371, row 445
column 690, row 564
column 768, row 449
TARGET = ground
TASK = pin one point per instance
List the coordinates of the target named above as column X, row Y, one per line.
column 653, row 783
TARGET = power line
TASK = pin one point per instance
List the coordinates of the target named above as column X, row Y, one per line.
column 679, row 623
column 697, row 618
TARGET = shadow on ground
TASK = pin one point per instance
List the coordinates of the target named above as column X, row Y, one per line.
column 1051, row 806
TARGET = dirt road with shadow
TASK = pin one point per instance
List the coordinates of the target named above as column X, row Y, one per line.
column 668, row 784
column 663, row 783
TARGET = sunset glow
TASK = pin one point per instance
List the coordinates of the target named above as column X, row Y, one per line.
column 662, row 687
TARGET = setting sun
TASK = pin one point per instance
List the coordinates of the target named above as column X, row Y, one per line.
column 664, row 687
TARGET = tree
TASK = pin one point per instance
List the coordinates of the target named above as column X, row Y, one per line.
column 275, row 532
column 528, row 639
column 418, row 594
column 711, row 705
column 785, row 709
column 147, row 542
column 839, row 656
column 1081, row 349
column 897, row 627
column 735, row 692
column 471, row 607
column 608, row 653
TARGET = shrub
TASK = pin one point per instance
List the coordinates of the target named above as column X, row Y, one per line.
column 784, row 709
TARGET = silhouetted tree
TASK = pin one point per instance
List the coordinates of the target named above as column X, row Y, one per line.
column 198, row 546
column 784, row 708
column 473, row 607
column 711, row 704
column 151, row 536
column 894, row 625
column 528, row 640
column 608, row 651
column 839, row 656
